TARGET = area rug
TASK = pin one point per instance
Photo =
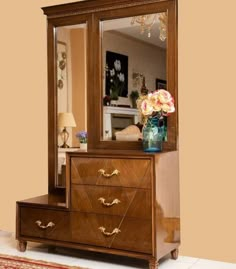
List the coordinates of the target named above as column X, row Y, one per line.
column 14, row 262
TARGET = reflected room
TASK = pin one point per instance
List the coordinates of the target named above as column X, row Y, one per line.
column 134, row 64
column 71, row 91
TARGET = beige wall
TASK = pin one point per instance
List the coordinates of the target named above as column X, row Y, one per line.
column 72, row 98
column 79, row 105
column 207, row 92
column 148, row 60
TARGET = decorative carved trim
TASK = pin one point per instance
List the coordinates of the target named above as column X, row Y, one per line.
column 75, row 11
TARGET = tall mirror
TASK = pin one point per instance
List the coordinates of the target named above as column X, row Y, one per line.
column 134, row 63
column 71, row 84
column 90, row 43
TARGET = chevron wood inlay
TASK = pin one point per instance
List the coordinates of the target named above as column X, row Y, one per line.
column 130, row 186
column 133, row 202
column 85, row 229
column 132, row 172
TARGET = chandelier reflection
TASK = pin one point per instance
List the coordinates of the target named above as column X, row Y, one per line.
column 147, row 21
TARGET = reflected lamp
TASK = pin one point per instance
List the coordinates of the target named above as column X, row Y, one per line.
column 65, row 119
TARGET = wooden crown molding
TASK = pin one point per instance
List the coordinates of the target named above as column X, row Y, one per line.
column 92, row 6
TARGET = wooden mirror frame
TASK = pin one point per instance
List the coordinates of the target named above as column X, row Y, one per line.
column 56, row 19
column 129, row 9
column 92, row 12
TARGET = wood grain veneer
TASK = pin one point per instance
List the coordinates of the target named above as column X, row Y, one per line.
column 147, row 217
column 132, row 202
column 85, row 229
column 86, row 171
column 59, row 219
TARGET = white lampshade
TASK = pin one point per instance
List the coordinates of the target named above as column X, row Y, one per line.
column 66, row 119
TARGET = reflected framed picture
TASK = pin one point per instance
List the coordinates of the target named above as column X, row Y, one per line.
column 62, row 77
column 160, row 84
column 116, row 75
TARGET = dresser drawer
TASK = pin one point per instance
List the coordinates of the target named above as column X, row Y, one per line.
column 42, row 223
column 112, row 232
column 111, row 200
column 134, row 173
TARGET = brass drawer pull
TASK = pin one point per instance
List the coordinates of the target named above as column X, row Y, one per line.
column 44, row 227
column 103, row 230
column 103, row 173
column 114, row 202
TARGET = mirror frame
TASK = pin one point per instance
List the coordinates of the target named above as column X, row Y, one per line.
column 54, row 21
column 129, row 10
column 92, row 12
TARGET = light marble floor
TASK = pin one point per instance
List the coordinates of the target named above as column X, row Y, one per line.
column 98, row 261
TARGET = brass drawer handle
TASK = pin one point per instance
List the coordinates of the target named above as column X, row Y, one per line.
column 114, row 202
column 103, row 173
column 103, row 230
column 44, row 227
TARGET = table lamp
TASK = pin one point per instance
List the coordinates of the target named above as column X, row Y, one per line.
column 65, row 119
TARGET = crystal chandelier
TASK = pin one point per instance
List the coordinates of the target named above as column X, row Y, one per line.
column 163, row 26
column 147, row 21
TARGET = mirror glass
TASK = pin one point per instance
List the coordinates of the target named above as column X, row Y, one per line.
column 71, row 69
column 133, row 63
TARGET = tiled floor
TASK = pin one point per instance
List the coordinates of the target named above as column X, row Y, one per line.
column 98, row 261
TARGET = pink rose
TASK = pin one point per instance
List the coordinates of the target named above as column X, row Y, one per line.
column 168, row 108
column 146, row 108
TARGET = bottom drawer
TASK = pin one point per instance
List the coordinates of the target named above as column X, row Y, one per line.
column 112, row 232
column 43, row 223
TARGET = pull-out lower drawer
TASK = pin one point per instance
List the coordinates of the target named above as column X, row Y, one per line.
column 112, row 232
column 44, row 223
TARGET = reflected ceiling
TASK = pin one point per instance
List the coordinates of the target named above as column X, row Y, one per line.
column 125, row 27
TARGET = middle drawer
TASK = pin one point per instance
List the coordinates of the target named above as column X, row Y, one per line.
column 119, row 201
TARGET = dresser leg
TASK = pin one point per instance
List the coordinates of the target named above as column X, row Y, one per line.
column 22, row 246
column 175, row 254
column 153, row 264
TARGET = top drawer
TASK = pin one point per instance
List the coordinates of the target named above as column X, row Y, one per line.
column 134, row 173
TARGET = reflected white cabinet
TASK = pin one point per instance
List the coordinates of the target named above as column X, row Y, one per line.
column 111, row 116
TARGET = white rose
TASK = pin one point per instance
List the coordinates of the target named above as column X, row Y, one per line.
column 117, row 65
column 121, row 77
column 157, row 106
column 112, row 72
column 164, row 96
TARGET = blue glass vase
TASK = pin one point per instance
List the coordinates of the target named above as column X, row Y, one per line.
column 153, row 135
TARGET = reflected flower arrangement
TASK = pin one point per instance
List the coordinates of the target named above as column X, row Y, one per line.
column 82, row 136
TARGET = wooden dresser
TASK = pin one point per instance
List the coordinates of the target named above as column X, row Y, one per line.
column 124, row 203
column 113, row 199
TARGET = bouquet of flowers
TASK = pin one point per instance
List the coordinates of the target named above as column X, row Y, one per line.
column 156, row 104
column 82, row 136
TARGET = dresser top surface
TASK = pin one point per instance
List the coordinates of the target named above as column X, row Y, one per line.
column 118, row 153
column 47, row 200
